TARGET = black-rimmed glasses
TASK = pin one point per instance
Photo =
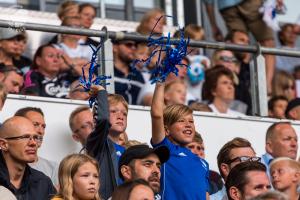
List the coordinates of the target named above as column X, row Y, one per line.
column 244, row 159
column 36, row 138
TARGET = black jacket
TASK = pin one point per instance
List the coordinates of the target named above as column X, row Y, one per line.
column 34, row 186
column 101, row 147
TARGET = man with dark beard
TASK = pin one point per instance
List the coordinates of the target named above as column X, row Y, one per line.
column 143, row 162
column 127, row 83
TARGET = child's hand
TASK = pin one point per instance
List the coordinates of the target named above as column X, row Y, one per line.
column 95, row 89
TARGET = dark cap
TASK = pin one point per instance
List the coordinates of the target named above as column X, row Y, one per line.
column 141, row 151
column 292, row 104
column 8, row 33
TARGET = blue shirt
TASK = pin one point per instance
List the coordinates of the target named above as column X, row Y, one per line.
column 119, row 150
column 266, row 159
column 222, row 4
column 220, row 195
column 184, row 175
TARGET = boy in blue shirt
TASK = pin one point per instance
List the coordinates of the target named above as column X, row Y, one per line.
column 184, row 175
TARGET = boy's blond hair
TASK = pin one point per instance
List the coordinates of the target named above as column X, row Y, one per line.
column 173, row 113
column 114, row 99
column 131, row 143
column 170, row 84
column 290, row 163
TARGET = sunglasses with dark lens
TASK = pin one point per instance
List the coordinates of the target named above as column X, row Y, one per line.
column 27, row 138
column 129, row 44
column 244, row 159
column 228, row 59
column 286, row 87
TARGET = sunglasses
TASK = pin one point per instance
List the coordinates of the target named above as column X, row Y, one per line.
column 228, row 59
column 27, row 138
column 244, row 159
column 129, row 44
column 287, row 87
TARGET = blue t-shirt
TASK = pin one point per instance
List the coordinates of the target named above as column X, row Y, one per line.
column 184, row 175
column 119, row 150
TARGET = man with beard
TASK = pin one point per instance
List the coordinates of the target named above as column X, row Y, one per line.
column 143, row 162
column 127, row 83
column 252, row 181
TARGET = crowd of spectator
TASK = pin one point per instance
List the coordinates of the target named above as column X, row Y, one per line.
column 110, row 166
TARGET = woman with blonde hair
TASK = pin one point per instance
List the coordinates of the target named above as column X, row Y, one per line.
column 78, row 178
column 284, row 85
column 149, row 20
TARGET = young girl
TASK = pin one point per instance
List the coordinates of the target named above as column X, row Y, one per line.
column 78, row 178
column 184, row 175
column 133, row 190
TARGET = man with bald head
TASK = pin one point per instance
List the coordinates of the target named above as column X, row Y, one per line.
column 281, row 141
column 19, row 143
column 36, row 116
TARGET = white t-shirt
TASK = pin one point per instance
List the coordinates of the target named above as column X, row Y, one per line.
column 81, row 51
column 49, row 168
column 229, row 111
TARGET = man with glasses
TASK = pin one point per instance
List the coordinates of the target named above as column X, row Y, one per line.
column 232, row 153
column 127, row 83
column 19, row 143
column 12, row 78
column 247, row 180
column 36, row 116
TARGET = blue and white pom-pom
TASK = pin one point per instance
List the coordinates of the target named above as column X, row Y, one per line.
column 173, row 52
column 92, row 78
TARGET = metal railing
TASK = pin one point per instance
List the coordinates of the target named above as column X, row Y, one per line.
column 258, row 78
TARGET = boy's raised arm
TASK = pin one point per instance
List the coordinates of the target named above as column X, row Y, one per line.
column 157, row 110
column 96, row 140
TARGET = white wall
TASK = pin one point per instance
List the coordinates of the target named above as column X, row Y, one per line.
column 216, row 130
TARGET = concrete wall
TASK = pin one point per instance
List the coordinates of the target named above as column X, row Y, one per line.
column 215, row 129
